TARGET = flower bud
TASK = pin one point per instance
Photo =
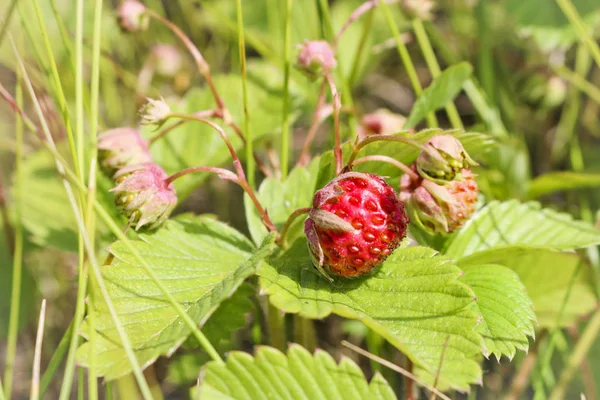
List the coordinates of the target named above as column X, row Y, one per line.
column 381, row 122
column 132, row 17
column 439, row 209
column 315, row 56
column 155, row 112
column 120, row 147
column 442, row 158
column 143, row 194
column 167, row 59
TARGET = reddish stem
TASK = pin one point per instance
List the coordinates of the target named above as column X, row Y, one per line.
column 337, row 103
column 388, row 160
column 314, row 127
column 223, row 173
column 356, row 14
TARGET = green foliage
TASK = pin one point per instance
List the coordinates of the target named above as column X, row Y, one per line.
column 271, row 374
column 506, row 311
column 528, row 224
column 194, row 143
column 229, row 317
column 442, row 90
column 414, row 301
column 201, row 261
column 548, row 277
column 281, row 198
column 560, row 181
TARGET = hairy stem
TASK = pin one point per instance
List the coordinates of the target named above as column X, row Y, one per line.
column 376, row 138
column 413, row 175
column 337, row 103
column 282, row 239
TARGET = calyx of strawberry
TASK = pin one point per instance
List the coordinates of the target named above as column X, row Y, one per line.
column 442, row 159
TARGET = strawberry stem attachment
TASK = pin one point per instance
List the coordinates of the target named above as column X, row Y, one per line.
column 164, row 131
column 222, row 172
column 389, row 160
column 281, row 239
column 376, row 138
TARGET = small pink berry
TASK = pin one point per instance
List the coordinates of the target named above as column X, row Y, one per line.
column 356, row 222
column 132, row 17
column 315, row 56
column 440, row 209
column 120, row 147
column 381, row 122
column 143, row 194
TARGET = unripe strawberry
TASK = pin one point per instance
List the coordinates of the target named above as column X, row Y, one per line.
column 381, row 122
column 440, row 209
column 356, row 221
column 132, row 17
column 143, row 194
column 442, row 158
column 315, row 56
column 120, row 147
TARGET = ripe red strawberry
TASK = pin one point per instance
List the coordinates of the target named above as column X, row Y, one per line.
column 356, row 222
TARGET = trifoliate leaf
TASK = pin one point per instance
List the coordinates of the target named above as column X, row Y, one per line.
column 528, row 224
column 547, row 276
column 415, row 301
column 271, row 374
column 505, row 308
column 200, row 261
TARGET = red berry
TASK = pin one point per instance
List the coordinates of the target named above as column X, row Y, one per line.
column 355, row 223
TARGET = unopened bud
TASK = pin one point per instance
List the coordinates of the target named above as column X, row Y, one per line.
column 120, row 147
column 442, row 158
column 381, row 122
column 439, row 209
column 144, row 195
column 167, row 59
column 315, row 56
column 155, row 112
column 132, row 16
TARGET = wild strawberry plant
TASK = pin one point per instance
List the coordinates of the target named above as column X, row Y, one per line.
column 410, row 227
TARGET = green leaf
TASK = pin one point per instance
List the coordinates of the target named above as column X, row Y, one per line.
column 271, row 374
column 506, row 310
column 47, row 214
column 414, row 301
column 512, row 222
column 194, row 143
column 560, row 181
column 201, row 262
column 281, row 198
column 229, row 317
column 547, row 275
column 440, row 92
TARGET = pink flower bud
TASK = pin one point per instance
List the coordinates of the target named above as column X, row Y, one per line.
column 120, row 147
column 143, row 194
column 315, row 56
column 439, row 209
column 381, row 122
column 442, row 158
column 167, row 59
column 132, row 16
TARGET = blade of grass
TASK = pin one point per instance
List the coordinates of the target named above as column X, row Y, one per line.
column 56, row 360
column 79, row 118
column 574, row 18
column 7, row 18
column 250, row 164
column 57, row 84
column 579, row 82
column 285, row 125
column 360, row 47
column 37, row 358
column 406, row 60
column 434, row 69
column 17, row 267
column 81, row 226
